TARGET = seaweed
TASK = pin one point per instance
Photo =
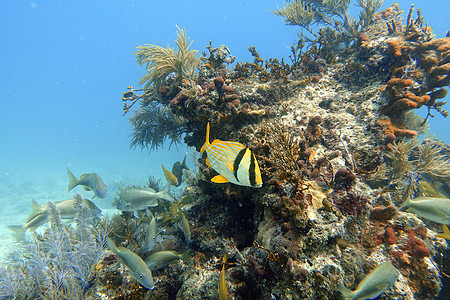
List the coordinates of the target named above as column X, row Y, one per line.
column 154, row 183
column 332, row 16
column 161, row 62
column 59, row 262
column 153, row 124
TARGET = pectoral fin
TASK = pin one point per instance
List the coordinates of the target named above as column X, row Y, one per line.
column 219, row 179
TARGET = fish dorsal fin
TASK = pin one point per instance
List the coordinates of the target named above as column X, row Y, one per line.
column 83, row 176
column 208, row 163
column 219, row 179
column 216, row 141
column 207, row 139
column 35, row 208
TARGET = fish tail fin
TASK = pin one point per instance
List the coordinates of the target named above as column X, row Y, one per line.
column 407, row 203
column 164, row 193
column 207, row 139
column 111, row 245
column 346, row 293
column 19, row 231
column 184, row 164
column 73, row 181
column 445, row 234
column 149, row 214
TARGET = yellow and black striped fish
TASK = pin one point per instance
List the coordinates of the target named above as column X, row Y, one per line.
column 233, row 161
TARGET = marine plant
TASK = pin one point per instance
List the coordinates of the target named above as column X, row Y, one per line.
column 153, row 124
column 161, row 62
column 56, row 264
column 338, row 26
column 409, row 164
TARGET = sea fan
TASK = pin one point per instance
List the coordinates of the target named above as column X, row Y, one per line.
column 161, row 62
column 58, row 263
column 332, row 14
column 152, row 125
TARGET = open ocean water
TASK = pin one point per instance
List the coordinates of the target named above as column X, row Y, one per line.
column 64, row 67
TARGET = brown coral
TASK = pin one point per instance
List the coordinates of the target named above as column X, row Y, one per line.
column 421, row 65
column 398, row 130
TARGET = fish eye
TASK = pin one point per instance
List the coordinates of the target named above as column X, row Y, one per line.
column 141, row 276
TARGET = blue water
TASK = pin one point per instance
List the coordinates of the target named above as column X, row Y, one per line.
column 65, row 65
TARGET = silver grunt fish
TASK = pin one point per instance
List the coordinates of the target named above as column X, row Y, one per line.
column 163, row 258
column 89, row 181
column 39, row 215
column 32, row 224
column 379, row 280
column 66, row 209
column 131, row 199
column 151, row 234
column 433, row 209
column 134, row 263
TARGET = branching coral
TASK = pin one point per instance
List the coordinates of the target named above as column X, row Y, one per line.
column 284, row 154
column 218, row 57
column 420, row 71
column 333, row 14
column 161, row 62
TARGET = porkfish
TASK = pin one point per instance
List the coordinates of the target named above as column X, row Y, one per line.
column 430, row 208
column 379, row 280
column 89, row 181
column 134, row 263
column 233, row 161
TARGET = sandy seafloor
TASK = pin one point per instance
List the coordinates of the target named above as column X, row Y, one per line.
column 43, row 183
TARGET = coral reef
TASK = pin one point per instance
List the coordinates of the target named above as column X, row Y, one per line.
column 325, row 130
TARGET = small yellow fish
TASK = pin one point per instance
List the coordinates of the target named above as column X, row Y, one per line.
column 172, row 179
column 184, row 226
column 445, row 234
column 223, row 289
column 233, row 161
